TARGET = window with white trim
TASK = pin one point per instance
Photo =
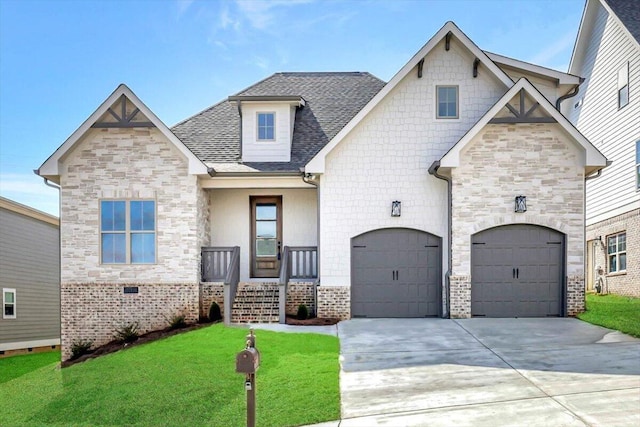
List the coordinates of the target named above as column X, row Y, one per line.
column 8, row 303
column 447, row 102
column 617, row 252
column 623, row 85
column 266, row 126
column 128, row 231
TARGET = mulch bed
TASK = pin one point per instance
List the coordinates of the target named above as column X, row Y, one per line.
column 292, row 320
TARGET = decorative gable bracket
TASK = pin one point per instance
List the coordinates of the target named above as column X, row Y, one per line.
column 522, row 114
column 123, row 120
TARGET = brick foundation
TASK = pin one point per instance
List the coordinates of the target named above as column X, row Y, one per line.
column 93, row 311
column 211, row 292
column 575, row 295
column 334, row 302
column 460, row 297
column 300, row 293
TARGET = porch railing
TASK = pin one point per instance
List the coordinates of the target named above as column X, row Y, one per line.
column 223, row 264
column 298, row 262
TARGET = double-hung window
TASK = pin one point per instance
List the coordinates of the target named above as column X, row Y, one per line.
column 8, row 303
column 617, row 252
column 266, row 126
column 128, row 231
column 447, row 102
column 623, row 85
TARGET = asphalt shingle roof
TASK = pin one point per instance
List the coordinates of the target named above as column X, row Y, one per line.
column 332, row 100
column 628, row 11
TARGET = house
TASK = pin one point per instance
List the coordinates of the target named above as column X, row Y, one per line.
column 607, row 111
column 29, row 279
column 456, row 189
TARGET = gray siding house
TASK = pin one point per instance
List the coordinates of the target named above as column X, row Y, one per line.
column 607, row 111
column 29, row 279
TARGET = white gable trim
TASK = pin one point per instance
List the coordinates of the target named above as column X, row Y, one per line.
column 50, row 168
column 593, row 157
column 586, row 26
column 562, row 78
column 317, row 164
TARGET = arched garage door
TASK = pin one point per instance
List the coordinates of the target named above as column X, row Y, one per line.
column 516, row 271
column 395, row 272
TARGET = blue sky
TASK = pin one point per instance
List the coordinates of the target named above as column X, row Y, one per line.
column 59, row 59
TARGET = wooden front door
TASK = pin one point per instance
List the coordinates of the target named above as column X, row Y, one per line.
column 266, row 235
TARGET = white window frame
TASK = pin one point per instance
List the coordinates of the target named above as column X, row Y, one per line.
column 4, row 303
column 457, row 88
column 623, row 85
column 617, row 252
column 128, row 232
column 273, row 113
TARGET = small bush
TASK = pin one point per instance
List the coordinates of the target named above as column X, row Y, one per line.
column 303, row 312
column 80, row 347
column 214, row 312
column 177, row 321
column 127, row 333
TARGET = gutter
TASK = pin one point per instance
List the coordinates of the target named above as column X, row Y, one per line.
column 571, row 94
column 433, row 170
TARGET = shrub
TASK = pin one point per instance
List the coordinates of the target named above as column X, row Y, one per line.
column 127, row 333
column 177, row 321
column 214, row 312
column 80, row 347
column 303, row 312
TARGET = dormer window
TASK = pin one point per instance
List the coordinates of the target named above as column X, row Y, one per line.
column 266, row 126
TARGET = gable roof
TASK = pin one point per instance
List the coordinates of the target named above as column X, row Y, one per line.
column 331, row 100
column 593, row 157
column 50, row 168
column 625, row 12
column 316, row 165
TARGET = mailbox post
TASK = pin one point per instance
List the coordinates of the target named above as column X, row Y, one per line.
column 247, row 363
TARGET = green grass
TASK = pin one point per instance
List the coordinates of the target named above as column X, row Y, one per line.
column 613, row 312
column 17, row 366
column 187, row 379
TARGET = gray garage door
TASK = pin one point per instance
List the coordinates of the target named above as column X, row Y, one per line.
column 395, row 272
column 516, row 271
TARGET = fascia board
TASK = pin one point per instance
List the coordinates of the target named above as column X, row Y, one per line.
column 51, row 166
column 562, row 78
column 317, row 164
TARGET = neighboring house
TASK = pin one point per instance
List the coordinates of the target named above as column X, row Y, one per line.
column 29, row 279
column 333, row 190
column 607, row 111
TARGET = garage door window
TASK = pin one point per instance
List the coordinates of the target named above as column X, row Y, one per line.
column 617, row 252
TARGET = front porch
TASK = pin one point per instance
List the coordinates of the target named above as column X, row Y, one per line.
column 265, row 301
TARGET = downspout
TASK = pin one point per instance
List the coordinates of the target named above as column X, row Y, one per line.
column 49, row 184
column 571, row 94
column 239, row 103
column 588, row 178
column 307, row 179
column 433, row 170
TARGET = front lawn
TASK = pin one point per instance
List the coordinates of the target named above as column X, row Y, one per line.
column 184, row 380
column 613, row 312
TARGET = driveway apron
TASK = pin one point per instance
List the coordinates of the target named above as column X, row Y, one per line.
column 493, row 372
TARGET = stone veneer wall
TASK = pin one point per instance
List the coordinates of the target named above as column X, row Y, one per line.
column 300, row 293
column 628, row 282
column 334, row 302
column 211, row 292
column 94, row 311
column 504, row 161
column 128, row 164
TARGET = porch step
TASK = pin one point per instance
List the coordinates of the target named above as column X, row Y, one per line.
column 256, row 303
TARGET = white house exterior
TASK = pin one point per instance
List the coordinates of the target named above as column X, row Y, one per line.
column 454, row 190
column 607, row 111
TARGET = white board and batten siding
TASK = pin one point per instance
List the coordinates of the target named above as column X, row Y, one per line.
column 29, row 263
column 595, row 112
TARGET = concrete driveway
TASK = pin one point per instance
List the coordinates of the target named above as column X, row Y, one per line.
column 487, row 372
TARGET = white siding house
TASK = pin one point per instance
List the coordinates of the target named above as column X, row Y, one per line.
column 607, row 111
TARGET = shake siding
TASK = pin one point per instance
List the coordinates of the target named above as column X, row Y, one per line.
column 613, row 131
column 29, row 251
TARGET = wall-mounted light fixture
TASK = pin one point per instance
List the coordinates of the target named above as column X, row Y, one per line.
column 521, row 204
column 396, row 208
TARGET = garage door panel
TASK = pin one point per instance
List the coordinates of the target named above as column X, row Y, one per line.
column 396, row 273
column 517, row 272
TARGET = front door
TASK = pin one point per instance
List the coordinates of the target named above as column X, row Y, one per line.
column 266, row 235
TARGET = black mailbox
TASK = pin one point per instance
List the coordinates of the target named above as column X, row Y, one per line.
column 247, row 361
